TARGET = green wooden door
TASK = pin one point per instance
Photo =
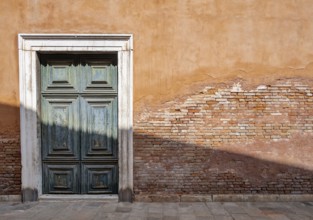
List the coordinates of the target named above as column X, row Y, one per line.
column 79, row 124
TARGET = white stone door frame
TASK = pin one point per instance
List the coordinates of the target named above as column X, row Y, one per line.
column 29, row 45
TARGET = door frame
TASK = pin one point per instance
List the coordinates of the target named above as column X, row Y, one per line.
column 29, row 45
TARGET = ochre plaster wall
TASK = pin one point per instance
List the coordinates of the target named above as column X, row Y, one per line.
column 180, row 47
column 177, row 44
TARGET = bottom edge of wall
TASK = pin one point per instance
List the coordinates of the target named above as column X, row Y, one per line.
column 205, row 198
column 226, row 198
column 10, row 198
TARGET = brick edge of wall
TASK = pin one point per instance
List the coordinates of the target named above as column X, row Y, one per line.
column 203, row 198
column 10, row 198
column 225, row 198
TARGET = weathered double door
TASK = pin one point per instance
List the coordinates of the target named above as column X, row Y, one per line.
column 79, row 123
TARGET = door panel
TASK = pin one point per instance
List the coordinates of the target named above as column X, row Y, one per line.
column 98, row 76
column 60, row 74
column 99, row 127
column 99, row 178
column 61, row 178
column 60, row 123
column 79, row 123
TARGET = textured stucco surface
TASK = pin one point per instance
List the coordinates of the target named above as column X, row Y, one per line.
column 177, row 44
column 180, row 46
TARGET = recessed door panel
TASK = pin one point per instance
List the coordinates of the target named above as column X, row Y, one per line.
column 61, row 178
column 99, row 76
column 99, row 178
column 99, row 127
column 61, row 74
column 60, row 125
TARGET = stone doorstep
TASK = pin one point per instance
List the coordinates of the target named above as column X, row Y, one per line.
column 106, row 198
column 225, row 198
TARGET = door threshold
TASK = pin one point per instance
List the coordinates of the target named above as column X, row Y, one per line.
column 107, row 197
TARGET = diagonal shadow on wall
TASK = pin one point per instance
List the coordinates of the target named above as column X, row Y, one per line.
column 164, row 166
column 10, row 156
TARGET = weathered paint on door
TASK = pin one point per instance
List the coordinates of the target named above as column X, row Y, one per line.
column 79, row 123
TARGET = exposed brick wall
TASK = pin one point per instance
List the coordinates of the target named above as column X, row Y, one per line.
column 227, row 140
column 10, row 164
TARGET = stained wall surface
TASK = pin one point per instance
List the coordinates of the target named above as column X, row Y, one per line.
column 182, row 47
